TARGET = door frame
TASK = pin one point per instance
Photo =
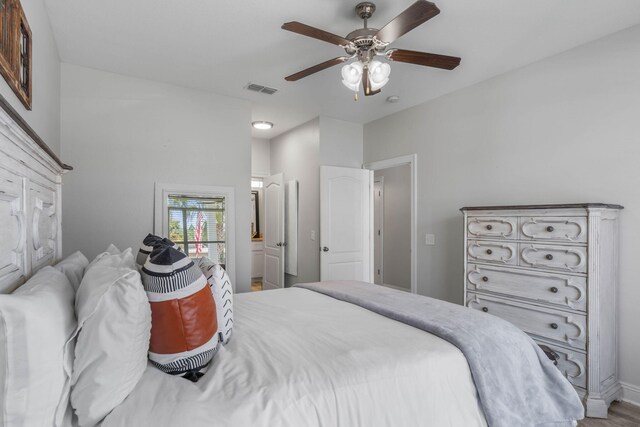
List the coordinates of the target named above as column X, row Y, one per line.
column 381, row 213
column 412, row 161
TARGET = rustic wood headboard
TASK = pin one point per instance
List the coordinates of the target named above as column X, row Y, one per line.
column 30, row 181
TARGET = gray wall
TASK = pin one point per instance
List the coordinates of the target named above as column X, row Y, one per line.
column 296, row 155
column 340, row 143
column 260, row 157
column 397, row 226
column 565, row 129
column 124, row 134
column 44, row 116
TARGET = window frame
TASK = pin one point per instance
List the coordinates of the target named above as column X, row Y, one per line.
column 161, row 214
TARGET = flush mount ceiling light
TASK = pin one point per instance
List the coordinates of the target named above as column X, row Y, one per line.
column 262, row 125
column 366, row 45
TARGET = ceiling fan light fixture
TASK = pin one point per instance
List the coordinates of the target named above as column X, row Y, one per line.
column 262, row 125
column 352, row 75
column 379, row 74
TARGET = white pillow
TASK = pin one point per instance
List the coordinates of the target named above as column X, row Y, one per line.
column 36, row 321
column 222, row 291
column 114, row 322
column 73, row 267
column 111, row 250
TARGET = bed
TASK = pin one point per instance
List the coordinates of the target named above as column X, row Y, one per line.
column 332, row 354
column 292, row 362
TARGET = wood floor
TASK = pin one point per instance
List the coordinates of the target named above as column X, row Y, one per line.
column 621, row 414
column 256, row 285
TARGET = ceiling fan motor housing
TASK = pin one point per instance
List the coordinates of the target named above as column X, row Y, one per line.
column 365, row 9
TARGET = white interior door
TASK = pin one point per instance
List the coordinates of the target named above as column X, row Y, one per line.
column 274, row 232
column 346, row 211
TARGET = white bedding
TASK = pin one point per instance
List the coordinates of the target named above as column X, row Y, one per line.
column 299, row 358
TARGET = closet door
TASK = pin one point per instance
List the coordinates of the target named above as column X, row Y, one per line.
column 345, row 224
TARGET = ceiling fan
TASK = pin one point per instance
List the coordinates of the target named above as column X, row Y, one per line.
column 367, row 44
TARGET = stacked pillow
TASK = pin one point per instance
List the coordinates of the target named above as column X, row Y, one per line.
column 183, row 313
column 73, row 267
column 222, row 292
column 36, row 321
column 114, row 324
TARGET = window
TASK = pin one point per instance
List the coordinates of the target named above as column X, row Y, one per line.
column 15, row 50
column 197, row 225
column 198, row 218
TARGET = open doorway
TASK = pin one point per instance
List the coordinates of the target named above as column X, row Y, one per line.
column 394, row 219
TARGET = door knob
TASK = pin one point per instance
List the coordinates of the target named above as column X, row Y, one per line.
column 283, row 244
column 325, row 249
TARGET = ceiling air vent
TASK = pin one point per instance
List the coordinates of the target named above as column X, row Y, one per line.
column 262, row 89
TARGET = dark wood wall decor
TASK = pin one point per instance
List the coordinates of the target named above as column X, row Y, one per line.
column 15, row 50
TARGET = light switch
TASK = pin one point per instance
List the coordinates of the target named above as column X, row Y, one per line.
column 430, row 239
column 313, row 235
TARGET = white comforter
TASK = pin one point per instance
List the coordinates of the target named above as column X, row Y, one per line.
column 298, row 358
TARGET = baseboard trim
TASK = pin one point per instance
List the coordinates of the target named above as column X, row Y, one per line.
column 630, row 393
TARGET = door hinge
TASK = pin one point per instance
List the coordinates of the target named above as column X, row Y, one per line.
column 378, row 232
column 378, row 272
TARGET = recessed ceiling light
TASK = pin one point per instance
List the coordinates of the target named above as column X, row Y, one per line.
column 262, row 125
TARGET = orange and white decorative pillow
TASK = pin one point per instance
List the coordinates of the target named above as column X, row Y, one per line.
column 183, row 313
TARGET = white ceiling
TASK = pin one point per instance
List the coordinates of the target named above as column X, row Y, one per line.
column 220, row 46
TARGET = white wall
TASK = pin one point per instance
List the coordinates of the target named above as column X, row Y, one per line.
column 296, row 154
column 565, row 129
column 340, row 143
column 260, row 157
column 397, row 226
column 123, row 134
column 44, row 116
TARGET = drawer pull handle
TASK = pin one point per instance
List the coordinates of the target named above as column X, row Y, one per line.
column 554, row 290
column 489, row 227
column 549, row 257
column 550, row 229
column 485, row 309
column 489, row 251
column 554, row 326
column 485, row 279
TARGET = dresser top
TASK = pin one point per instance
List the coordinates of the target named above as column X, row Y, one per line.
column 560, row 206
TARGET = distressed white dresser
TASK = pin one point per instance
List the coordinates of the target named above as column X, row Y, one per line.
column 552, row 271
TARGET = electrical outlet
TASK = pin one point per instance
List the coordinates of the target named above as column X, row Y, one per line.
column 313, row 235
column 430, row 239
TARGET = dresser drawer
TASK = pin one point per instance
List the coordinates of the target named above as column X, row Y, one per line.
column 547, row 228
column 546, row 323
column 563, row 290
column 557, row 257
column 498, row 252
column 572, row 364
column 492, row 227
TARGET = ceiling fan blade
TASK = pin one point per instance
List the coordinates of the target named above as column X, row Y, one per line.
column 316, row 33
column 416, row 14
column 366, row 85
column 423, row 58
column 318, row 67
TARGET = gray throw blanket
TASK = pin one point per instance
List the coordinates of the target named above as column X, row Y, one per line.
column 518, row 386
